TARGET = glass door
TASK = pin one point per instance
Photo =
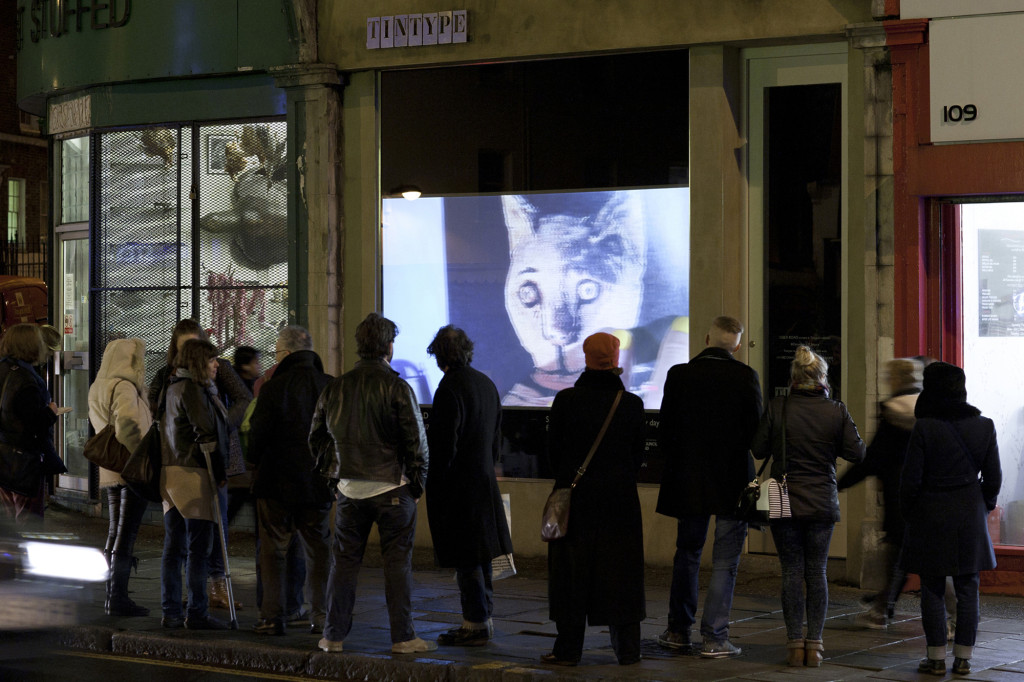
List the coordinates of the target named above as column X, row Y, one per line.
column 992, row 273
column 72, row 365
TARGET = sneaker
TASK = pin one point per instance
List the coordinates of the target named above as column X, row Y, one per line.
column 463, row 637
column 932, row 666
column 723, row 649
column 680, row 641
column 413, row 646
column 329, row 646
column 172, row 622
column 871, row 619
column 961, row 666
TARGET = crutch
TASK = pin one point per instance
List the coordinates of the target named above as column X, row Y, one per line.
column 207, row 448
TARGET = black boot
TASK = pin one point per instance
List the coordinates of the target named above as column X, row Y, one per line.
column 120, row 603
column 132, row 508
column 114, row 519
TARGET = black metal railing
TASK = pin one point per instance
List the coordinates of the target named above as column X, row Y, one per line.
column 25, row 259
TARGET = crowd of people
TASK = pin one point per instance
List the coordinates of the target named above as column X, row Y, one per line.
column 296, row 442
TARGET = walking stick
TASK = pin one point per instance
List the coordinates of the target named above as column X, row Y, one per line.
column 207, row 448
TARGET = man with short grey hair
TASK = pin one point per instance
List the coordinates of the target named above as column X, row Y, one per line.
column 709, row 413
column 290, row 498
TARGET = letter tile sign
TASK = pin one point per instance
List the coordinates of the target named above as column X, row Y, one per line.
column 416, row 30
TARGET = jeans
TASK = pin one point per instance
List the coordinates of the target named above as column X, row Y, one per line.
column 625, row 640
column 394, row 512
column 280, row 527
column 476, row 592
column 933, row 609
column 730, row 534
column 183, row 538
column 803, row 553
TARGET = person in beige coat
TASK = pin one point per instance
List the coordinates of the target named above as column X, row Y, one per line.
column 118, row 396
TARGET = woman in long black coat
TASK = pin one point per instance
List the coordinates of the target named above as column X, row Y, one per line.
column 596, row 572
column 951, row 479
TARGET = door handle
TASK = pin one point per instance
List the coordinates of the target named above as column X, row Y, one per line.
column 74, row 359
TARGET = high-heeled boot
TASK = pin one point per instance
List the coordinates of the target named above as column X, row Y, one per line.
column 132, row 508
column 120, row 603
column 113, row 520
column 814, row 650
column 795, row 653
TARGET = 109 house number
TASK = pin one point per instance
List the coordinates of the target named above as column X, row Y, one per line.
column 956, row 113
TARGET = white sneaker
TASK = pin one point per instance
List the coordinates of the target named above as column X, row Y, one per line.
column 413, row 646
column 329, row 646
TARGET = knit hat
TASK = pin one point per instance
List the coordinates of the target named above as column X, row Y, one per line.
column 946, row 382
column 601, row 351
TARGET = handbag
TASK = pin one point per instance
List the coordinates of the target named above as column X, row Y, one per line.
column 104, row 449
column 21, row 471
column 760, row 502
column 141, row 472
column 555, row 519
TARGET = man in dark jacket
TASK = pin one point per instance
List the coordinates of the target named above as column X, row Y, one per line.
column 367, row 431
column 709, row 413
column 290, row 498
column 467, row 517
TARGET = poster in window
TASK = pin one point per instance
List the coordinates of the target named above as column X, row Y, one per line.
column 1000, row 283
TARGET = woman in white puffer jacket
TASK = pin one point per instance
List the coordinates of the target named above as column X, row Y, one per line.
column 118, row 395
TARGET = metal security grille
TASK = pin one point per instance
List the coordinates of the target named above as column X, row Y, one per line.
column 190, row 221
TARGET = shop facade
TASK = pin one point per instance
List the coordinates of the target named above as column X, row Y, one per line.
column 741, row 152
column 780, row 173
column 958, row 215
column 172, row 136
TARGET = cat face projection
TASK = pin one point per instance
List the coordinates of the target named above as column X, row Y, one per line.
column 570, row 275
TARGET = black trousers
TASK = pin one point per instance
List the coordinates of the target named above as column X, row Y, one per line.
column 625, row 639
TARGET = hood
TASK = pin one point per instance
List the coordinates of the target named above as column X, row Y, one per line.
column 124, row 359
column 899, row 410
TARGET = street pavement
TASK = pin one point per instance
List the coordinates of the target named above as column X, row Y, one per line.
column 523, row 630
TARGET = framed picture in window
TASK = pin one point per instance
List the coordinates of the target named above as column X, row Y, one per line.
column 216, row 158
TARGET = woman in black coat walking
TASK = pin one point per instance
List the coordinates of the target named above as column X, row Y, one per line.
column 816, row 431
column 596, row 572
column 951, row 479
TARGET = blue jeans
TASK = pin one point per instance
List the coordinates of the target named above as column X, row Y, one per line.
column 730, row 533
column 803, row 553
column 476, row 592
column 191, row 539
column 394, row 512
column 933, row 609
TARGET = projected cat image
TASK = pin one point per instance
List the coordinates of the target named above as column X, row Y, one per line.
column 570, row 275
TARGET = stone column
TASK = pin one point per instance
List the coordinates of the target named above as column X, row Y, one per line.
column 718, row 222
column 879, row 262
column 314, row 226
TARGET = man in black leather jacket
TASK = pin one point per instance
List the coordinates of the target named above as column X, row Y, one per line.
column 367, row 434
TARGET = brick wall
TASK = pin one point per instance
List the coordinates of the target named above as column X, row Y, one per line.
column 19, row 157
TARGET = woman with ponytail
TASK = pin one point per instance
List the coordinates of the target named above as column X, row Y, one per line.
column 816, row 430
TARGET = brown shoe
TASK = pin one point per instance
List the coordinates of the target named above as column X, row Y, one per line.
column 219, row 594
column 814, row 651
column 795, row 653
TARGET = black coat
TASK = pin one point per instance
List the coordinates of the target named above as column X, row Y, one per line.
column 818, row 431
column 710, row 411
column 884, row 459
column 279, row 436
column 464, row 507
column 944, row 500
column 25, row 415
column 597, row 570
